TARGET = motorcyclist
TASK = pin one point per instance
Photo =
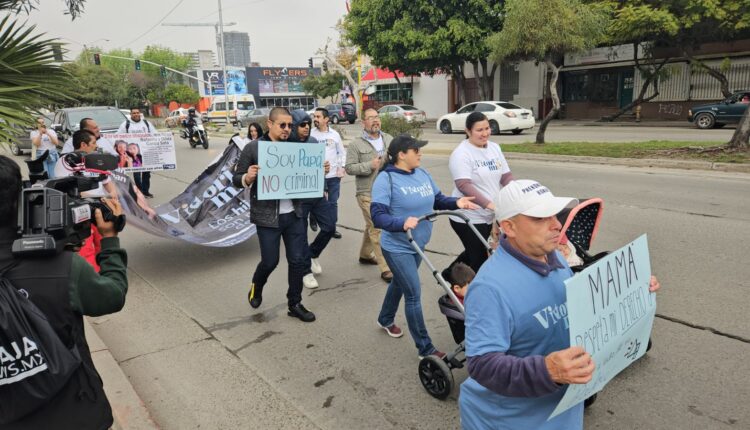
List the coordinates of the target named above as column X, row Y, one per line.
column 191, row 121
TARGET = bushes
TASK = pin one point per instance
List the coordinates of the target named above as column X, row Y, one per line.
column 396, row 126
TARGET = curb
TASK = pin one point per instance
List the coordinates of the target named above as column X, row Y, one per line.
column 128, row 409
column 635, row 162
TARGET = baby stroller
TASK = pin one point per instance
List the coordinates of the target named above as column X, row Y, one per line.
column 434, row 372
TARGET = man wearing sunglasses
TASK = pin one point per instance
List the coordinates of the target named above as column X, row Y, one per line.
column 319, row 208
column 275, row 220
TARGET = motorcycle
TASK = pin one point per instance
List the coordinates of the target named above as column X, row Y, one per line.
column 196, row 135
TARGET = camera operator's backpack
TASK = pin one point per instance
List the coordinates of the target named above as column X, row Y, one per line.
column 34, row 363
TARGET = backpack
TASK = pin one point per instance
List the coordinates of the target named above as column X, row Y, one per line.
column 34, row 363
column 127, row 126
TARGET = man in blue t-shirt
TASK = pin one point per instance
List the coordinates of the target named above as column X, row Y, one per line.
column 517, row 341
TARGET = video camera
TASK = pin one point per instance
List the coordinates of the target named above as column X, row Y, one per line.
column 52, row 215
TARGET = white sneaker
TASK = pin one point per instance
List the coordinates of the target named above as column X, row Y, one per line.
column 309, row 281
column 315, row 266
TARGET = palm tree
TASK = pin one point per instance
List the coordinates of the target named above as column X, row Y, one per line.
column 30, row 78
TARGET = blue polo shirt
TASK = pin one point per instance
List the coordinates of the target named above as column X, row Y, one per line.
column 405, row 194
column 515, row 310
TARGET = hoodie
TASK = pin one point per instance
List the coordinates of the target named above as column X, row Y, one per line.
column 299, row 116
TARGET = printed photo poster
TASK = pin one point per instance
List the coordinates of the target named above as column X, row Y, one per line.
column 290, row 170
column 209, row 212
column 265, row 86
column 611, row 313
column 144, row 152
column 236, row 83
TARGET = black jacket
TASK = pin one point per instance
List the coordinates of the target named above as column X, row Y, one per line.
column 263, row 213
column 65, row 287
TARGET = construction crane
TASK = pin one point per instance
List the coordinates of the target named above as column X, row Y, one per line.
column 219, row 27
column 215, row 25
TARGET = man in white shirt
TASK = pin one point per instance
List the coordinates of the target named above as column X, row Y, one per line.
column 45, row 140
column 335, row 154
column 138, row 124
column 103, row 143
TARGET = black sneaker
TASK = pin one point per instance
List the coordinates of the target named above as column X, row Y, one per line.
column 336, row 235
column 255, row 296
column 148, row 195
column 313, row 223
column 299, row 311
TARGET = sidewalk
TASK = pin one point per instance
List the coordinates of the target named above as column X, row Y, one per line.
column 127, row 408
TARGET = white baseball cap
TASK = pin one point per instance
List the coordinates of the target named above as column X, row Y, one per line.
column 530, row 198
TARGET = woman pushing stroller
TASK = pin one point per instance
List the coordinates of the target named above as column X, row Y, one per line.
column 401, row 193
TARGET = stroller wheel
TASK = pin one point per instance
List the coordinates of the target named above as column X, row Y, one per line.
column 436, row 377
column 590, row 401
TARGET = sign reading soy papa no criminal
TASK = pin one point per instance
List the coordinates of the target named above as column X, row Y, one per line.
column 290, row 170
column 147, row 151
column 611, row 312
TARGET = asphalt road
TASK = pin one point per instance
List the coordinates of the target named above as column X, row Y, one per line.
column 199, row 356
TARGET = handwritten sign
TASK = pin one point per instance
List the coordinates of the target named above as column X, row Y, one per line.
column 144, row 152
column 611, row 312
column 290, row 170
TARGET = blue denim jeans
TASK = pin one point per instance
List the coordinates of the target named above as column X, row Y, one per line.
column 49, row 162
column 294, row 233
column 406, row 283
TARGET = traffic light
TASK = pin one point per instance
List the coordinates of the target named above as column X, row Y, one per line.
column 309, row 62
column 137, row 64
column 163, row 71
column 97, row 60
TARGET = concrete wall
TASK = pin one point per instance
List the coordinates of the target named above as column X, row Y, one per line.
column 431, row 95
column 530, row 86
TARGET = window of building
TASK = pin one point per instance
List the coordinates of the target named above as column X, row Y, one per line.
column 575, row 86
column 390, row 92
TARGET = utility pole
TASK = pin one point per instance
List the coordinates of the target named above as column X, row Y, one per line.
column 219, row 29
column 224, row 65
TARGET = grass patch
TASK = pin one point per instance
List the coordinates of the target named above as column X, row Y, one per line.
column 706, row 151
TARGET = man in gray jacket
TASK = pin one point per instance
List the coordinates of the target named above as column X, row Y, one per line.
column 364, row 159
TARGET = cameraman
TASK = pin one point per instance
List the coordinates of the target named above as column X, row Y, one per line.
column 64, row 287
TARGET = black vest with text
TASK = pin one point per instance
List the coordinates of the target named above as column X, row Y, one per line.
column 81, row 404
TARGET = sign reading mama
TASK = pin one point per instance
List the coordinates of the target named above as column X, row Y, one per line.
column 290, row 170
column 611, row 312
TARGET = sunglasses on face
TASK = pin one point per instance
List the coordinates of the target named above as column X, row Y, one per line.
column 284, row 125
column 304, row 124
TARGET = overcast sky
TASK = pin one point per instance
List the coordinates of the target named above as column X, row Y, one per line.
column 282, row 33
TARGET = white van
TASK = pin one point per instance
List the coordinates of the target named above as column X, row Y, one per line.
column 239, row 105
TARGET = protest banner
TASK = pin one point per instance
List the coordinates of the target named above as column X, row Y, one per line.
column 610, row 312
column 144, row 152
column 290, row 170
column 210, row 212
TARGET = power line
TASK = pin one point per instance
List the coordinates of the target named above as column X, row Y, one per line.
column 155, row 25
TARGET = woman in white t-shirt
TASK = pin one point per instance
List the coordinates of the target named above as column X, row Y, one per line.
column 479, row 170
column 44, row 139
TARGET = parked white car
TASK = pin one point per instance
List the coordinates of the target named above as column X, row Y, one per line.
column 175, row 117
column 407, row 112
column 503, row 116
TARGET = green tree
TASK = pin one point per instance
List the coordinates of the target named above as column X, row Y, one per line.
column 179, row 93
column 427, row 36
column 327, row 85
column 545, row 30
column 30, row 79
column 165, row 57
column 673, row 27
column 94, row 85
